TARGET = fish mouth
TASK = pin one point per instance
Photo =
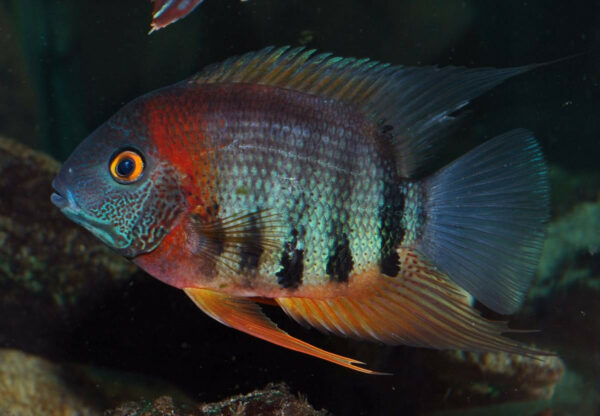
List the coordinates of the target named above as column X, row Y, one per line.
column 59, row 201
column 64, row 201
column 58, row 196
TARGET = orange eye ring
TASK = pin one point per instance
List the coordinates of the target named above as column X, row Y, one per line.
column 127, row 166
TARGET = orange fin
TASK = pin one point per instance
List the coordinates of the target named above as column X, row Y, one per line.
column 264, row 301
column 245, row 315
column 420, row 307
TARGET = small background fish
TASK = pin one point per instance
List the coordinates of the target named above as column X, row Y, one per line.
column 169, row 11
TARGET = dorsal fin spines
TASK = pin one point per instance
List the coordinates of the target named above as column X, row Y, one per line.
column 281, row 67
column 347, row 79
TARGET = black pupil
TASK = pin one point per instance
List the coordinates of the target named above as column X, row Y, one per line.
column 125, row 167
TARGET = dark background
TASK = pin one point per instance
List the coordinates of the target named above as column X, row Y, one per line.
column 66, row 66
column 82, row 60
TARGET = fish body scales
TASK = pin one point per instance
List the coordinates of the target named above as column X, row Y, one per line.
column 314, row 164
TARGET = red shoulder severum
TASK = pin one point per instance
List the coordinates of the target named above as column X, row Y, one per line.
column 290, row 176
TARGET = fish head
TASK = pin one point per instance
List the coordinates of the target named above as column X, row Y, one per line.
column 116, row 185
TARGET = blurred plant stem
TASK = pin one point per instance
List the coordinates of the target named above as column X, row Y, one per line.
column 48, row 39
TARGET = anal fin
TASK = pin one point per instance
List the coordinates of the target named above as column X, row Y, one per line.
column 420, row 307
column 245, row 315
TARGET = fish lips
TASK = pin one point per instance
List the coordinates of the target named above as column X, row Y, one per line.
column 63, row 199
column 59, row 201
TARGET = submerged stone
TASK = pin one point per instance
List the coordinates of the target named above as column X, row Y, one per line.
column 273, row 400
column 47, row 263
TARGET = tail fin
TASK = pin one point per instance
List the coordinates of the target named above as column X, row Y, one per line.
column 485, row 219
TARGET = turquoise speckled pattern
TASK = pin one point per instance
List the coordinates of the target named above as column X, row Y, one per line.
column 322, row 178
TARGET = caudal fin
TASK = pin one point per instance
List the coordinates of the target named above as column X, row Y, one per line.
column 485, row 219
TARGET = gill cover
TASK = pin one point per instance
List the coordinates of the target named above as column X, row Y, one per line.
column 116, row 185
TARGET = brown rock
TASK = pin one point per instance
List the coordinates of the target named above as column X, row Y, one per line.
column 475, row 379
column 31, row 386
column 49, row 267
column 274, row 399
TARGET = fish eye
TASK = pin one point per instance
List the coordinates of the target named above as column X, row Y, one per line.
column 126, row 166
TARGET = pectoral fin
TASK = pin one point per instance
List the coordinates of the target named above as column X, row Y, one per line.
column 246, row 316
column 238, row 241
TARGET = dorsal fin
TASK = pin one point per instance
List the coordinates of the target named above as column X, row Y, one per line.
column 416, row 102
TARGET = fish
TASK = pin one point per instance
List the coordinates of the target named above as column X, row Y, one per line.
column 169, row 11
column 300, row 179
